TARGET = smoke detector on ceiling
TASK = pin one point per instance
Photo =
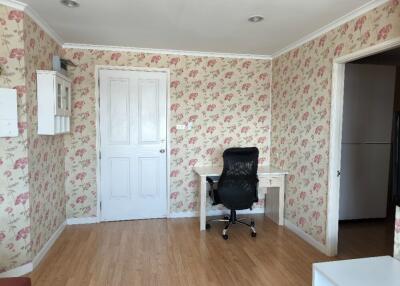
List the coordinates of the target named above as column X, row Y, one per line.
column 70, row 3
column 256, row 19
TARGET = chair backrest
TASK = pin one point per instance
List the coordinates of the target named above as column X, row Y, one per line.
column 237, row 186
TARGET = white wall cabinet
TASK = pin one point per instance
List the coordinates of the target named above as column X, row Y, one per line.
column 8, row 113
column 54, row 102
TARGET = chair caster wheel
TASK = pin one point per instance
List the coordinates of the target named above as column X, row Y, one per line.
column 208, row 226
column 225, row 236
column 252, row 223
column 226, row 217
column 253, row 234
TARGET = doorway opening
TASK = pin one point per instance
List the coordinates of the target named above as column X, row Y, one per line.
column 366, row 205
column 360, row 157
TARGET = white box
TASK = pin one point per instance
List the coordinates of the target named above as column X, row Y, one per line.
column 8, row 113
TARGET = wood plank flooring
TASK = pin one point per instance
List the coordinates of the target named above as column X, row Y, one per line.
column 174, row 252
column 365, row 238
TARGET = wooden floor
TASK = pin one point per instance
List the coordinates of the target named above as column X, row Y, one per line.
column 174, row 252
column 365, row 238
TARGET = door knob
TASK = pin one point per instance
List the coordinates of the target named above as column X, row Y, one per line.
column 162, row 151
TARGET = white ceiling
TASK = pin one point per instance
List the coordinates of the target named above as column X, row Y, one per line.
column 192, row 25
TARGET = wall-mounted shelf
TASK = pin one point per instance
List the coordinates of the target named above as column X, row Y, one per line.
column 54, row 102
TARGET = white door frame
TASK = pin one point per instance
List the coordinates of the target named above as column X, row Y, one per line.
column 98, row 68
column 335, row 143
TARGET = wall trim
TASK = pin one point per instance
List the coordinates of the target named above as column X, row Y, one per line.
column 335, row 135
column 47, row 246
column 212, row 213
column 51, row 32
column 334, row 24
column 18, row 271
column 83, row 220
column 43, row 24
column 305, row 236
column 14, row 4
column 30, row 266
column 164, row 51
column 35, row 17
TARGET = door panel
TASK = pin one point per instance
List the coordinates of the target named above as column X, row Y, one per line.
column 119, row 169
column 132, row 133
column 148, row 165
column 118, row 111
column 149, row 111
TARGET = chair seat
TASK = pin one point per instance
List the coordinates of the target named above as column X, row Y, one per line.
column 17, row 281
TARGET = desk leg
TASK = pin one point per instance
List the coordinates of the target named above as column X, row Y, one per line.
column 282, row 201
column 203, row 201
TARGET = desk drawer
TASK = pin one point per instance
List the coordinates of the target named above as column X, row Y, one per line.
column 269, row 181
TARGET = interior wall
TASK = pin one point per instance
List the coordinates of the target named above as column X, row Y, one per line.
column 366, row 140
column 15, row 239
column 231, row 109
column 227, row 100
column 32, row 194
column 45, row 153
column 301, row 99
column 397, row 234
column 397, row 219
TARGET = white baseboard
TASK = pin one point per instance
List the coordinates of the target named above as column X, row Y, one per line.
column 213, row 213
column 29, row 267
column 82, row 220
column 306, row 237
column 46, row 247
column 18, row 271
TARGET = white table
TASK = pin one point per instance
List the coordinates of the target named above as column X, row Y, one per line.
column 268, row 176
column 371, row 271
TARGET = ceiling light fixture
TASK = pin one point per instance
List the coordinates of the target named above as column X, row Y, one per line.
column 256, row 19
column 70, row 3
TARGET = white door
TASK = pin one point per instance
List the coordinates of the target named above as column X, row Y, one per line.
column 133, row 144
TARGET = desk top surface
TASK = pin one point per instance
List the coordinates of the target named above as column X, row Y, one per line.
column 217, row 170
column 371, row 271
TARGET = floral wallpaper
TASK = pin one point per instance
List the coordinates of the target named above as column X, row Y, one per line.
column 227, row 100
column 301, row 98
column 45, row 153
column 14, row 196
column 397, row 234
column 32, row 194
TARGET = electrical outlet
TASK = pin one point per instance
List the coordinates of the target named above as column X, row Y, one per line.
column 180, row 127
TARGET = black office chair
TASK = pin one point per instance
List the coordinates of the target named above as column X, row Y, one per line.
column 236, row 188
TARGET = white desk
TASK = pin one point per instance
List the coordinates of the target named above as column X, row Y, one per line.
column 371, row 271
column 268, row 177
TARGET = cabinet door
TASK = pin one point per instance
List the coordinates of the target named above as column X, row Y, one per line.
column 59, row 96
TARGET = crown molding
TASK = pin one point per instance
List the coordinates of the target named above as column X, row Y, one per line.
column 14, row 4
column 336, row 23
column 35, row 17
column 44, row 25
column 164, row 51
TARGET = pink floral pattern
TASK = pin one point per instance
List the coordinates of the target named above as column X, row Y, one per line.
column 226, row 100
column 397, row 234
column 14, row 194
column 32, row 194
column 301, row 91
column 46, row 154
